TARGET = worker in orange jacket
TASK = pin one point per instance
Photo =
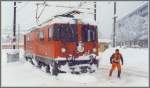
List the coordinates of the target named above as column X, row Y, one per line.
column 115, row 61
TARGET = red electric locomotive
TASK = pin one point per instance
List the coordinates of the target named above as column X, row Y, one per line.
column 63, row 42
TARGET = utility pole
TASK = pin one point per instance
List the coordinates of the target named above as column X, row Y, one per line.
column 95, row 11
column 18, row 35
column 114, row 26
column 14, row 27
column 13, row 56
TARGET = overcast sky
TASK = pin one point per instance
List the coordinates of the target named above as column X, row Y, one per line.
column 26, row 13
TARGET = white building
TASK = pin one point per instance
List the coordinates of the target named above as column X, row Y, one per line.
column 132, row 29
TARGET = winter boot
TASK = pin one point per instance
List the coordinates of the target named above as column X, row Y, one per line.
column 110, row 73
column 119, row 72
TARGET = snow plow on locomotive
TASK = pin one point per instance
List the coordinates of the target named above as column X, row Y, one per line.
column 64, row 44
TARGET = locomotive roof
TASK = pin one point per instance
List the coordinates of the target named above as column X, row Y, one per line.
column 66, row 20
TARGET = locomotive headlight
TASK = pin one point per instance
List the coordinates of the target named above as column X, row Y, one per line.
column 94, row 50
column 63, row 50
column 80, row 47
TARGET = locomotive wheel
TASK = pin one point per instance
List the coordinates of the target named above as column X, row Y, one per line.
column 54, row 72
column 83, row 70
column 35, row 62
column 90, row 70
column 77, row 73
column 91, row 61
column 30, row 60
column 26, row 58
column 39, row 64
column 47, row 69
column 50, row 69
column 53, row 69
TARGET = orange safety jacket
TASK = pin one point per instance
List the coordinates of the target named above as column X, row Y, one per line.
column 116, row 57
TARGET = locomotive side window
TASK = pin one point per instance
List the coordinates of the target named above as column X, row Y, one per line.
column 41, row 35
column 28, row 38
column 50, row 33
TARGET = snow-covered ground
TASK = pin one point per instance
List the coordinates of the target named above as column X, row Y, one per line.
column 134, row 72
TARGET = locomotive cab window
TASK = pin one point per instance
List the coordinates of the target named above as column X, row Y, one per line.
column 41, row 35
column 56, row 32
column 64, row 32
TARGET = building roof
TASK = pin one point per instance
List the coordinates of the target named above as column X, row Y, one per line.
column 104, row 40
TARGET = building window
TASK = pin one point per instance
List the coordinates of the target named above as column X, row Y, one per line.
column 119, row 25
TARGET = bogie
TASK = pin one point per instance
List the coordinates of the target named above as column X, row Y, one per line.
column 53, row 67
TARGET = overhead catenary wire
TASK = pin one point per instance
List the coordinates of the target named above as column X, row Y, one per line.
column 71, row 7
column 59, row 6
column 79, row 6
column 38, row 16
